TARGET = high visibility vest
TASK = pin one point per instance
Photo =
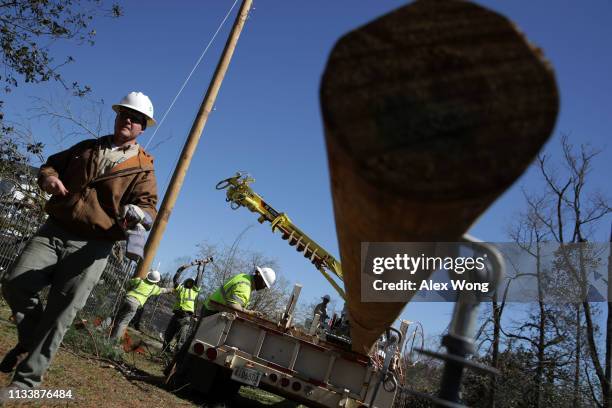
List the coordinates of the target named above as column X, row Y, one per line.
column 142, row 290
column 185, row 298
column 236, row 290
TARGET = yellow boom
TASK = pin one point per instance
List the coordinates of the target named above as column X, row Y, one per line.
column 240, row 194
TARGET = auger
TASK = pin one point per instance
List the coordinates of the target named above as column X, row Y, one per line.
column 240, row 194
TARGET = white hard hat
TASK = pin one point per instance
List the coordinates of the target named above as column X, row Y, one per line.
column 327, row 297
column 268, row 275
column 138, row 102
column 153, row 276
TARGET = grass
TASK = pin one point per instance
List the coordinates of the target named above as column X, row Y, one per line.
column 93, row 382
column 99, row 376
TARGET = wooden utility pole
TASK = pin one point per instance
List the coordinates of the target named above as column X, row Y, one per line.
column 430, row 113
column 192, row 142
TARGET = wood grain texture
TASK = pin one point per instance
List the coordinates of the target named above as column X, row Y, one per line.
column 430, row 113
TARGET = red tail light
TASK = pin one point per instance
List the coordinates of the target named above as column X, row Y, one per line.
column 212, row 354
column 284, row 382
column 273, row 377
column 296, row 386
column 198, row 348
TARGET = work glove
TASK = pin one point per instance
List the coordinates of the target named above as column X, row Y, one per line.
column 132, row 215
column 136, row 240
column 202, row 261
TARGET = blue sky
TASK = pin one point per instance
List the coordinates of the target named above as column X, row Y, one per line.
column 267, row 122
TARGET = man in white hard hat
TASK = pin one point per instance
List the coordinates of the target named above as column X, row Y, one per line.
column 139, row 291
column 236, row 291
column 99, row 189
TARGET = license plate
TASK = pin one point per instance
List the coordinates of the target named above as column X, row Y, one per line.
column 246, row 376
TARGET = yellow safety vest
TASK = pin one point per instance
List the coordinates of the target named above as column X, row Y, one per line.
column 236, row 290
column 186, row 298
column 142, row 290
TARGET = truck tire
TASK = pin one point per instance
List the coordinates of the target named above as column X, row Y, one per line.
column 174, row 379
column 203, row 377
column 224, row 385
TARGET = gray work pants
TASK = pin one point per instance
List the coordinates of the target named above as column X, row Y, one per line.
column 126, row 314
column 71, row 266
column 180, row 322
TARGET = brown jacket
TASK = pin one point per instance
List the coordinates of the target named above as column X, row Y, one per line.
column 93, row 205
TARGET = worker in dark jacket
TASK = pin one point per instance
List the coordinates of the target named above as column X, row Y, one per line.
column 321, row 310
column 99, row 188
column 184, row 308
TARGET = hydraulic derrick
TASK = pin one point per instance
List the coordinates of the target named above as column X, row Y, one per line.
column 240, row 194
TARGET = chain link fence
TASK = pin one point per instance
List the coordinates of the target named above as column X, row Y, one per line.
column 19, row 221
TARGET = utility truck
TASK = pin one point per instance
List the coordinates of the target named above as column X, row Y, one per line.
column 314, row 366
column 232, row 348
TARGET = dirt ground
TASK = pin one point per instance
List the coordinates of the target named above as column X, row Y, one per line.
column 138, row 382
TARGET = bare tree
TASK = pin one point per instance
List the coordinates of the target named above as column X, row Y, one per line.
column 70, row 118
column 543, row 330
column 557, row 335
column 21, row 151
column 568, row 212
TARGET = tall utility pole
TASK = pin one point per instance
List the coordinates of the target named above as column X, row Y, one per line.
column 192, row 142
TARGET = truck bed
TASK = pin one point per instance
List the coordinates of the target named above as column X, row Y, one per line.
column 288, row 362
